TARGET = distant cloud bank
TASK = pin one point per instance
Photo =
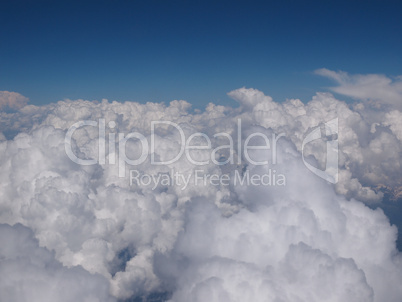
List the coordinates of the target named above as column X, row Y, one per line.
column 12, row 100
column 374, row 87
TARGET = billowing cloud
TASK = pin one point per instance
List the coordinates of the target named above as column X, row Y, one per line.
column 295, row 239
column 30, row 273
column 374, row 87
column 12, row 100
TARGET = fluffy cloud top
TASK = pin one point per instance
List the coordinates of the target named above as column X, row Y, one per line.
column 12, row 100
column 305, row 241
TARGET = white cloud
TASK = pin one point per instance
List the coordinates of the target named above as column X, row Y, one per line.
column 307, row 241
column 30, row 273
column 303, row 243
column 375, row 87
column 393, row 119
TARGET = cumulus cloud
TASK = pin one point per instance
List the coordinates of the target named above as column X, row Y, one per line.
column 300, row 244
column 31, row 273
column 304, row 240
column 12, row 100
column 374, row 87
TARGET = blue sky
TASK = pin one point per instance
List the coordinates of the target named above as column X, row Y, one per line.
column 192, row 50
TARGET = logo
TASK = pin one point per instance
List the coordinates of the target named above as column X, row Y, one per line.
column 232, row 152
column 329, row 133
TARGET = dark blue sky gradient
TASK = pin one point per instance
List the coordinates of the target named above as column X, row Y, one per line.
column 193, row 50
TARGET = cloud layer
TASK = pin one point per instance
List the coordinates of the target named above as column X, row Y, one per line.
column 305, row 241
